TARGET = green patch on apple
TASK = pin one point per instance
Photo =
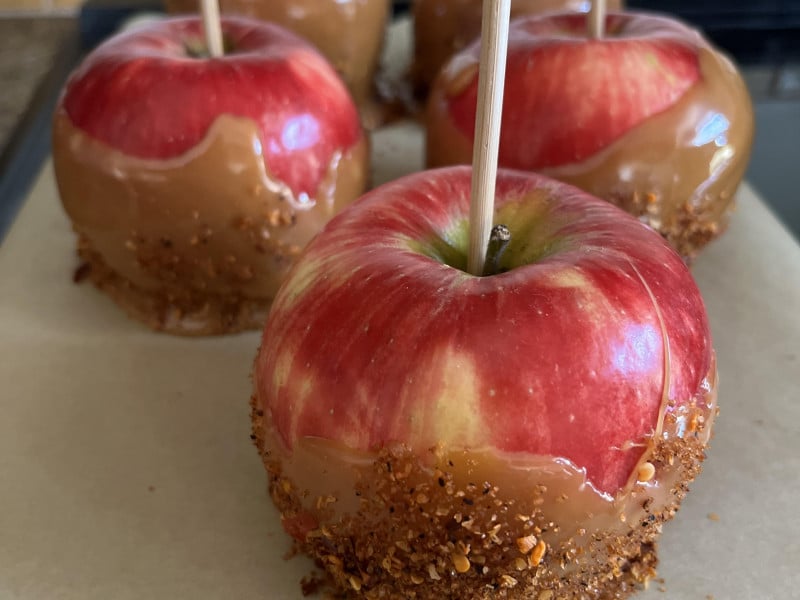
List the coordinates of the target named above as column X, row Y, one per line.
column 532, row 237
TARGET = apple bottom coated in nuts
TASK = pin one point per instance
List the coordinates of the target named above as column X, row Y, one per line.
column 193, row 182
column 525, row 434
column 188, row 246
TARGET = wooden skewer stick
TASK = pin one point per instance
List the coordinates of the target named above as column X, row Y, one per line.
column 491, row 81
column 597, row 19
column 212, row 27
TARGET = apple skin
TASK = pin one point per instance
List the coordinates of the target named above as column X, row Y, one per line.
column 349, row 33
column 640, row 68
column 378, row 336
column 143, row 94
column 444, row 27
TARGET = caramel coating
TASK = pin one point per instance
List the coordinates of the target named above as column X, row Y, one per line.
column 443, row 27
column 678, row 171
column 399, row 523
column 349, row 33
column 198, row 244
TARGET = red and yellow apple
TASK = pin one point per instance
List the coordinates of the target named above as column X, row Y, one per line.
column 431, row 432
column 649, row 117
column 192, row 181
column 444, row 27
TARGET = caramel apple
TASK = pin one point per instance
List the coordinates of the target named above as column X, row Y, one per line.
column 445, row 27
column 194, row 182
column 650, row 117
column 525, row 434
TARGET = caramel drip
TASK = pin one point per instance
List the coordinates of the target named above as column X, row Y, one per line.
column 662, row 409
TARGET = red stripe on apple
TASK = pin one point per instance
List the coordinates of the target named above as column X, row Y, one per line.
column 379, row 336
column 640, row 68
column 145, row 94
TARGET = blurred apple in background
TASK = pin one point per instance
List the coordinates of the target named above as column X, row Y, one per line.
column 649, row 117
column 194, row 181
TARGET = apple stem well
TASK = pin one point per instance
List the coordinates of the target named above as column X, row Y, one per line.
column 596, row 19
column 491, row 78
column 498, row 242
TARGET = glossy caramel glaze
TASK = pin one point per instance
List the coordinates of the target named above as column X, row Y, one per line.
column 349, row 33
column 196, row 244
column 678, row 171
column 443, row 27
column 467, row 523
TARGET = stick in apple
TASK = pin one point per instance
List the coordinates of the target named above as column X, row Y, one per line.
column 597, row 19
column 491, row 78
column 212, row 27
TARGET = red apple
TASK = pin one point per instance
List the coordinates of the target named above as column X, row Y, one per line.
column 444, row 27
column 648, row 117
column 349, row 33
column 147, row 94
column 398, row 397
column 193, row 181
